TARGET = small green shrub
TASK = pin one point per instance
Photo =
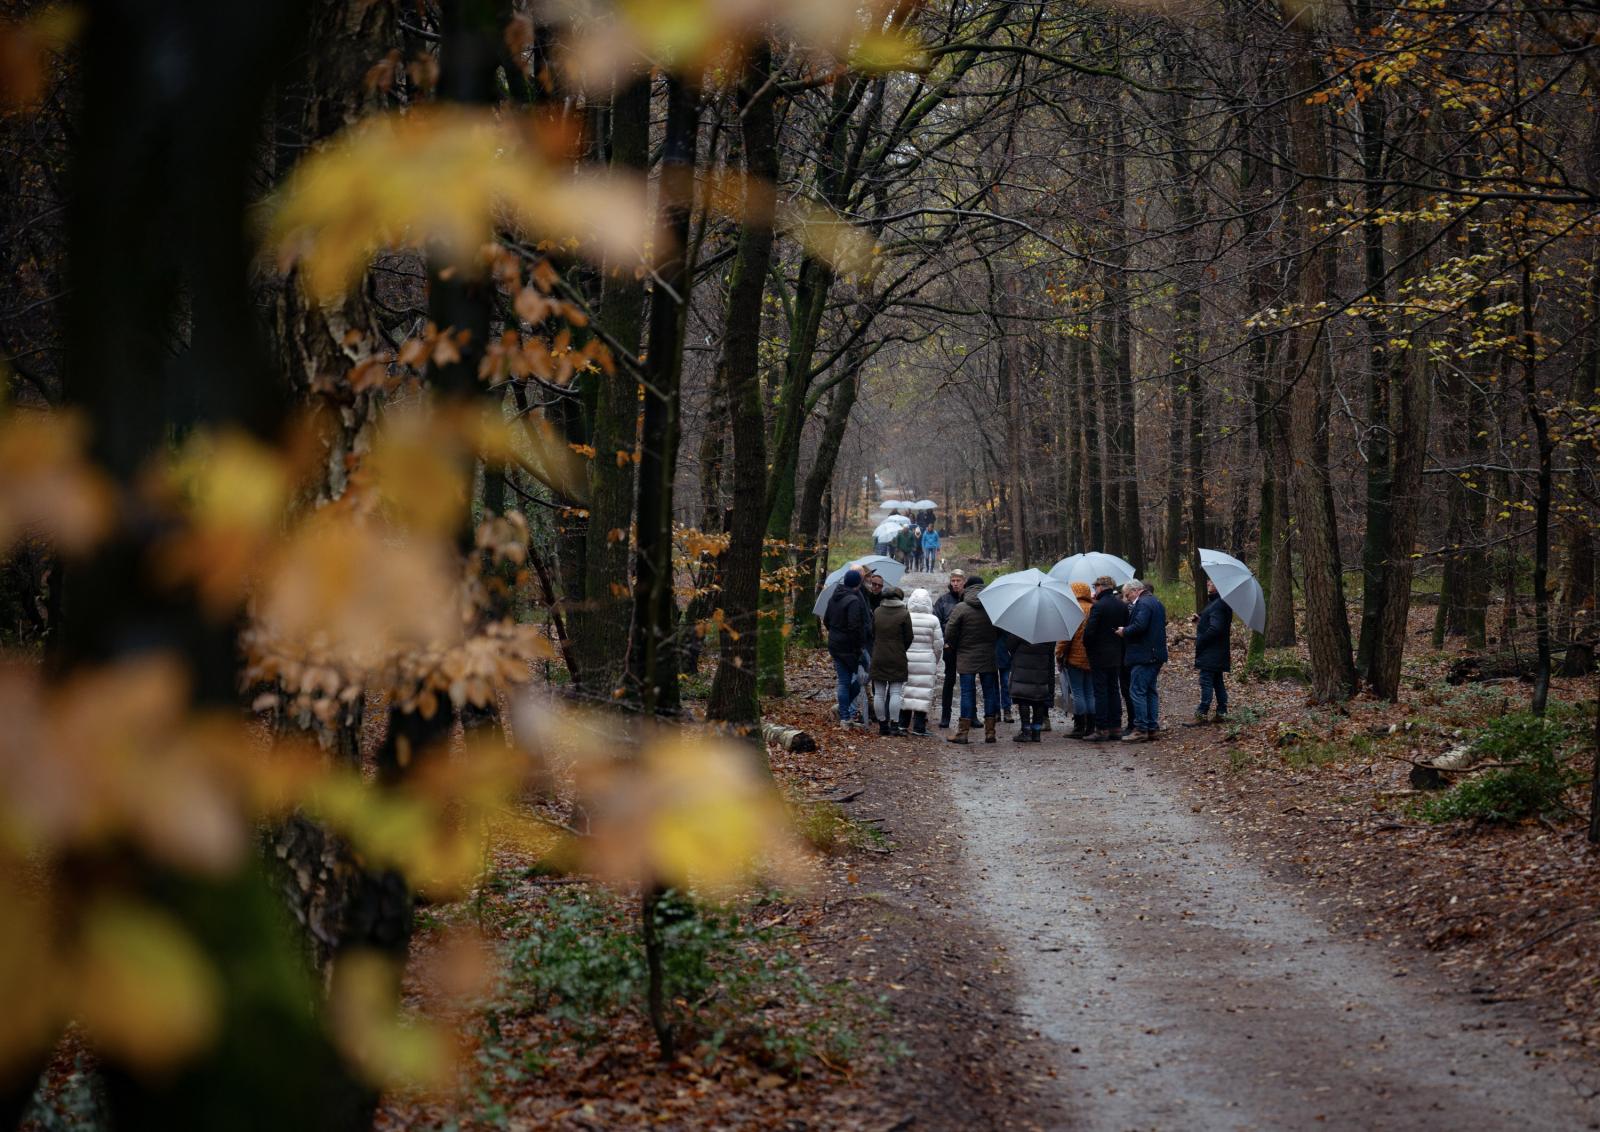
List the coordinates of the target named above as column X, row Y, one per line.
column 828, row 829
column 582, row 963
column 1531, row 781
column 1239, row 720
column 1276, row 666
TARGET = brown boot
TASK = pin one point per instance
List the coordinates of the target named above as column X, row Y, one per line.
column 963, row 729
column 988, row 729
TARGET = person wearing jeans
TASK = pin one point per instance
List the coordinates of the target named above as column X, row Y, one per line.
column 990, row 683
column 1144, row 640
column 1213, row 654
column 942, row 609
column 848, row 620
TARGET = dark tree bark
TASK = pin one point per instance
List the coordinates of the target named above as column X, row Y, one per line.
column 733, row 692
column 653, row 665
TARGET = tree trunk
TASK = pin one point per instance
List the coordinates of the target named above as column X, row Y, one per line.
column 1327, row 622
column 733, row 692
column 652, row 664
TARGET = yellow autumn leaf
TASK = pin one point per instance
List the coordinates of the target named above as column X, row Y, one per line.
column 389, row 1052
column 143, row 989
column 448, row 177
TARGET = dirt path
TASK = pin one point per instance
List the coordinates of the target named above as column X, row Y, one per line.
column 1183, row 987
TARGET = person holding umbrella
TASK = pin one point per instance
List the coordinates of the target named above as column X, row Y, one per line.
column 891, row 639
column 1102, row 639
column 1033, row 685
column 1213, row 654
column 849, row 624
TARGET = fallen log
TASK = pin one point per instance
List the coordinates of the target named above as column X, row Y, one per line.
column 789, row 738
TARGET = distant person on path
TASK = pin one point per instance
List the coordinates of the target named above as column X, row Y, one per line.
column 1033, row 684
column 1074, row 658
column 1145, row 651
column 903, row 542
column 891, row 639
column 922, row 663
column 1102, row 640
column 1213, row 653
column 942, row 609
column 849, row 624
column 972, row 636
column 930, row 548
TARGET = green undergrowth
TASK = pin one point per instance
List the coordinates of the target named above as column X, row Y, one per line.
column 1529, row 774
column 575, row 976
column 828, row 829
column 1277, row 666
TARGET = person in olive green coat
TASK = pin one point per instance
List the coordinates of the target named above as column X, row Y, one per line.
column 970, row 637
column 891, row 638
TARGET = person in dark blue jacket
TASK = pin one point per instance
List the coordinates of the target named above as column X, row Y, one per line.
column 1213, row 653
column 1144, row 641
column 848, row 619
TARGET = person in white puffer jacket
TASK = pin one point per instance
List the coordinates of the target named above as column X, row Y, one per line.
column 922, row 663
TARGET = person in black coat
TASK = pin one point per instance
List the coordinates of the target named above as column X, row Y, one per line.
column 1033, row 684
column 942, row 609
column 849, row 623
column 1104, row 645
column 1213, row 653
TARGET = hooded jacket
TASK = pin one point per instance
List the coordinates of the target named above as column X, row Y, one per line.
column 971, row 634
column 891, row 637
column 1100, row 639
column 1033, row 670
column 922, row 658
column 1075, row 653
column 1145, row 638
column 1213, row 647
column 849, row 624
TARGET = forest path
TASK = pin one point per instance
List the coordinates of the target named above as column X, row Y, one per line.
column 1183, row 987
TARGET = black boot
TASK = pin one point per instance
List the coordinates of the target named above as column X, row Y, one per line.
column 883, row 728
column 905, row 722
column 919, row 723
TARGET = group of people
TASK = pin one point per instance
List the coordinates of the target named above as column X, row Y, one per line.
column 916, row 547
column 1109, row 670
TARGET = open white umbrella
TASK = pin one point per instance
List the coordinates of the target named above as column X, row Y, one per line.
column 893, row 504
column 925, row 505
column 887, row 568
column 1093, row 564
column 899, row 520
column 885, row 531
column 1237, row 586
column 1032, row 605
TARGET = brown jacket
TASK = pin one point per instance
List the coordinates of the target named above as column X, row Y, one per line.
column 1074, row 652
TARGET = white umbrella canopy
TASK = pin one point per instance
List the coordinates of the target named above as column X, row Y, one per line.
column 1033, row 605
column 1088, row 566
column 893, row 504
column 899, row 520
column 885, row 531
column 887, row 568
column 1237, row 586
column 925, row 505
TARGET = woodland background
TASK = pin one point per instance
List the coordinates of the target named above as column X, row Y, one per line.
column 405, row 353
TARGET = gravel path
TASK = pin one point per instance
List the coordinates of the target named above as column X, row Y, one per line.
column 1185, row 988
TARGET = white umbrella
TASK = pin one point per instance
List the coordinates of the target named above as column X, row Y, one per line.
column 1093, row 564
column 886, row 568
column 1237, row 586
column 1032, row 605
column 893, row 504
column 885, row 531
column 899, row 520
column 925, row 505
